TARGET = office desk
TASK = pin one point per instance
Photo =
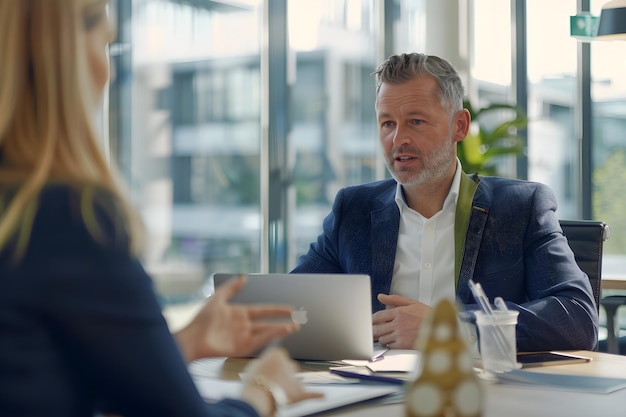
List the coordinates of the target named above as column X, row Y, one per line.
column 613, row 281
column 514, row 401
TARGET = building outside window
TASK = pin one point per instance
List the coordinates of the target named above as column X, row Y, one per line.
column 186, row 117
column 186, row 126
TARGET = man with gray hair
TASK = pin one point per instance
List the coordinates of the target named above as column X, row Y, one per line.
column 423, row 234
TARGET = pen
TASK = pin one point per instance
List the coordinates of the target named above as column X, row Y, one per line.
column 500, row 304
column 501, row 341
column 379, row 356
column 368, row 377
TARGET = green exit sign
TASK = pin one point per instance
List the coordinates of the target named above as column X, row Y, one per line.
column 583, row 26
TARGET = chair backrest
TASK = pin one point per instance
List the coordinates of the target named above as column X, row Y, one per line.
column 586, row 238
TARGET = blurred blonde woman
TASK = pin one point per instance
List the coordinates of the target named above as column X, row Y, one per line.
column 81, row 331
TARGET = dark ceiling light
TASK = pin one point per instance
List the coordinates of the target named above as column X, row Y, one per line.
column 612, row 25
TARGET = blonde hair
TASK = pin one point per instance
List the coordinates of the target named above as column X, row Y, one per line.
column 46, row 130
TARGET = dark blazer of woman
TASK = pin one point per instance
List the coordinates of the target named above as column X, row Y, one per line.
column 80, row 326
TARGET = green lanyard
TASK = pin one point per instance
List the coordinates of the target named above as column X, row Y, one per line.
column 467, row 188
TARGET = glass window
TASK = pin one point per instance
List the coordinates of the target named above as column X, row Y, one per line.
column 186, row 126
column 410, row 34
column 491, row 61
column 491, row 75
column 553, row 143
column 187, row 135
column 334, row 125
column 608, row 94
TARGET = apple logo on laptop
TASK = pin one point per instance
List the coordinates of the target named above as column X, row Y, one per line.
column 299, row 316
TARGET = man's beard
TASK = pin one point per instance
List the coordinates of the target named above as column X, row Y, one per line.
column 435, row 166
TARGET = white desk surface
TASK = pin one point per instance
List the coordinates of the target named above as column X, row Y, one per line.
column 514, row 401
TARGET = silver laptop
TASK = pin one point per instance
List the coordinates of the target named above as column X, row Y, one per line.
column 334, row 311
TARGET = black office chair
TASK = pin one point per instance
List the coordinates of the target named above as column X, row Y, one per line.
column 614, row 343
column 586, row 238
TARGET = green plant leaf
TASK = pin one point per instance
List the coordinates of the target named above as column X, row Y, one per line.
column 478, row 151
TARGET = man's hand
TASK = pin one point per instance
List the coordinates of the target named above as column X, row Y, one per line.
column 224, row 329
column 397, row 327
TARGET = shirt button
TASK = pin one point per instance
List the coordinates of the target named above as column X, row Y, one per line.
column 428, row 265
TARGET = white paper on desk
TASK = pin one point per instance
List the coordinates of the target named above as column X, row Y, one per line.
column 334, row 395
column 317, row 377
column 323, row 377
column 591, row 384
column 397, row 360
column 213, row 390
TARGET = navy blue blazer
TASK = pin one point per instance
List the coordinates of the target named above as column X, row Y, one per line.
column 513, row 245
column 81, row 328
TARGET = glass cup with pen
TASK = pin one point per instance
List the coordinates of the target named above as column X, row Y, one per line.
column 496, row 332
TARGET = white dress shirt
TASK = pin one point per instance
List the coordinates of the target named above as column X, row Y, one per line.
column 424, row 264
